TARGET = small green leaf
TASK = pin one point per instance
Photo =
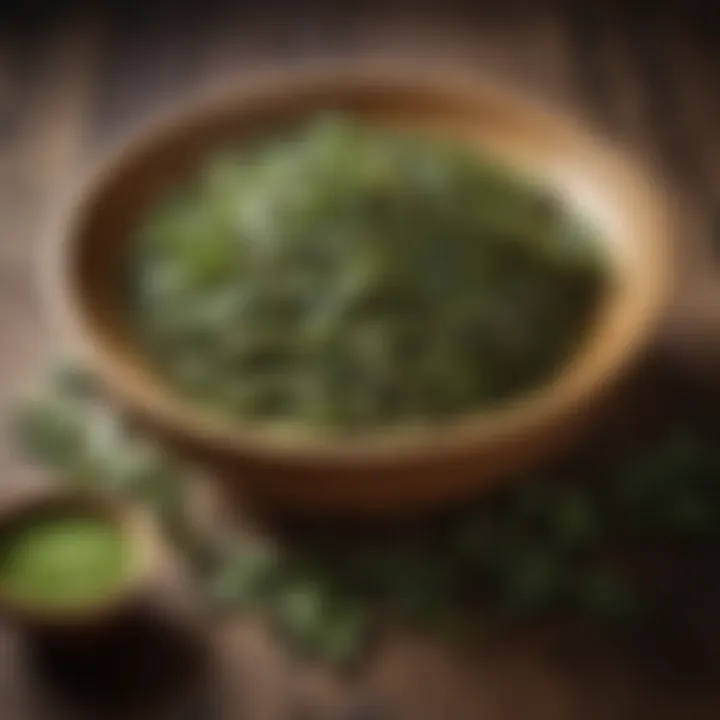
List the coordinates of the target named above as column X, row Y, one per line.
column 693, row 514
column 607, row 594
column 659, row 474
column 301, row 611
column 245, row 578
column 531, row 501
column 424, row 585
column 148, row 474
column 70, row 379
column 344, row 633
column 533, row 579
column 474, row 537
column 49, row 431
column 575, row 521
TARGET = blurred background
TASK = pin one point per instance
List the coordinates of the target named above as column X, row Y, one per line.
column 74, row 76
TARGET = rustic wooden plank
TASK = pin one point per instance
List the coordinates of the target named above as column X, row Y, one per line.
column 627, row 84
column 54, row 133
column 150, row 57
column 674, row 144
column 21, row 55
column 243, row 41
column 593, row 89
column 6, row 84
column 44, row 155
column 550, row 55
column 692, row 71
column 646, row 45
column 607, row 78
column 531, row 52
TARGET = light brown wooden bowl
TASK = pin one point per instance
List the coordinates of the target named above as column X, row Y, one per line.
column 142, row 541
column 390, row 471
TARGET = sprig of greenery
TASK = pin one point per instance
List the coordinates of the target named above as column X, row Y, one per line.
column 65, row 426
column 545, row 544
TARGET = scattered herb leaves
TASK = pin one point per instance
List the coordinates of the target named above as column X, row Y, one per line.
column 543, row 544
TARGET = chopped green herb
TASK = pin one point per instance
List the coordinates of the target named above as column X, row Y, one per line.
column 609, row 595
column 348, row 276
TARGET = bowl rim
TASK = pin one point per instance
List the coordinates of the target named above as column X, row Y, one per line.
column 135, row 525
column 518, row 416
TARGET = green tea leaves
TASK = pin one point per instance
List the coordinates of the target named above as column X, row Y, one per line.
column 365, row 248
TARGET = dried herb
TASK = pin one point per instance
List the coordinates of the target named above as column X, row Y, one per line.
column 346, row 276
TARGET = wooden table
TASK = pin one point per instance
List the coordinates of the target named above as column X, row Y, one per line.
column 72, row 83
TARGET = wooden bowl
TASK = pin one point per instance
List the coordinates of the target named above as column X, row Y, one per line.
column 138, row 531
column 391, row 471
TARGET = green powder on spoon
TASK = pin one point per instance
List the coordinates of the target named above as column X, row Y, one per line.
column 63, row 561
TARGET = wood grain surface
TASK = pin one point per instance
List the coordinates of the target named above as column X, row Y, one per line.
column 71, row 84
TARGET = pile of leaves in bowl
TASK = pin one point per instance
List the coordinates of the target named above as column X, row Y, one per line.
column 345, row 276
column 546, row 545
